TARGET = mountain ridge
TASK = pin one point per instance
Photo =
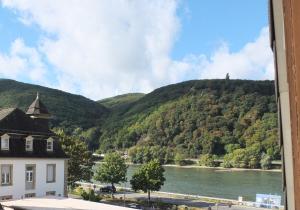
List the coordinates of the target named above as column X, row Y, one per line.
column 120, row 100
column 197, row 117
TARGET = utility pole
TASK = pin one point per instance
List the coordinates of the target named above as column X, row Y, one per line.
column 124, row 194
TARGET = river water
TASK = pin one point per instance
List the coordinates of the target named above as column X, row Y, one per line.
column 219, row 183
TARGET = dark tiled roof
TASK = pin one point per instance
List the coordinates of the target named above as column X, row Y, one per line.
column 5, row 112
column 16, row 119
column 18, row 126
column 17, row 147
column 37, row 108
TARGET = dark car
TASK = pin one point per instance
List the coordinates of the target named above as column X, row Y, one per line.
column 108, row 189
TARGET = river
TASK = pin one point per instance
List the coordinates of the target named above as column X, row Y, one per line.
column 218, row 183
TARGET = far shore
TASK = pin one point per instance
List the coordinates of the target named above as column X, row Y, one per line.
column 218, row 169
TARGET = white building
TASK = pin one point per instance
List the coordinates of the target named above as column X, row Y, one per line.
column 32, row 162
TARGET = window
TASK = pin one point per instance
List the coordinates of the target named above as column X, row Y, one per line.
column 29, row 143
column 5, row 142
column 29, row 174
column 6, row 174
column 50, row 193
column 30, row 177
column 29, row 195
column 6, row 197
column 50, row 144
column 51, row 168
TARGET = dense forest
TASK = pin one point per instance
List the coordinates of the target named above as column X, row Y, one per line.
column 235, row 120
column 217, row 117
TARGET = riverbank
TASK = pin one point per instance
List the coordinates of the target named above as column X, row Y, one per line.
column 178, row 199
column 218, row 169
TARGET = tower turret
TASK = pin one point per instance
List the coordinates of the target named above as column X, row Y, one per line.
column 38, row 111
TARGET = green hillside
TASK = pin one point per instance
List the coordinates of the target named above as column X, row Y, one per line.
column 233, row 119
column 121, row 100
column 69, row 110
column 199, row 117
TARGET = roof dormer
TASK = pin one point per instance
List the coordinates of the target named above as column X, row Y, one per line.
column 29, row 144
column 5, row 142
column 50, row 144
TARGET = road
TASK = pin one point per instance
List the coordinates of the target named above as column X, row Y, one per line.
column 179, row 200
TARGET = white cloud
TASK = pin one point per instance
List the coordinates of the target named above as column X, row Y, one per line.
column 103, row 48
column 253, row 61
column 22, row 61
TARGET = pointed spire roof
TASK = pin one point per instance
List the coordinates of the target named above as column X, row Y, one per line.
column 37, row 108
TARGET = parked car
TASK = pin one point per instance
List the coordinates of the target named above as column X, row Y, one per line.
column 134, row 206
column 108, row 189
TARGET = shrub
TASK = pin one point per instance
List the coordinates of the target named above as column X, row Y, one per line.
column 180, row 160
column 227, row 162
column 207, row 160
column 78, row 190
column 90, row 196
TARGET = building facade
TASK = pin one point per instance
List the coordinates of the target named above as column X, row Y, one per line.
column 285, row 42
column 32, row 162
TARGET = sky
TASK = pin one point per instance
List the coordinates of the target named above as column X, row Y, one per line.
column 105, row 48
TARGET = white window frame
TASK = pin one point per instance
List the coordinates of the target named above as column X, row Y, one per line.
column 29, row 175
column 49, row 145
column 6, row 178
column 29, row 144
column 53, row 171
column 5, row 142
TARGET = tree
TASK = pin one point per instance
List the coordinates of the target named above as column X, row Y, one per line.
column 227, row 161
column 80, row 159
column 113, row 170
column 229, row 148
column 240, row 158
column 254, row 155
column 207, row 160
column 266, row 162
column 149, row 177
column 91, row 137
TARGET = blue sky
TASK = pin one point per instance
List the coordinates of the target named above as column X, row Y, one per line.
column 98, row 49
column 205, row 23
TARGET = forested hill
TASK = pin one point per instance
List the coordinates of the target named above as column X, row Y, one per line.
column 198, row 117
column 231, row 118
column 69, row 110
column 119, row 101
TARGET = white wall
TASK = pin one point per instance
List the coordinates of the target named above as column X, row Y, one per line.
column 17, row 190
